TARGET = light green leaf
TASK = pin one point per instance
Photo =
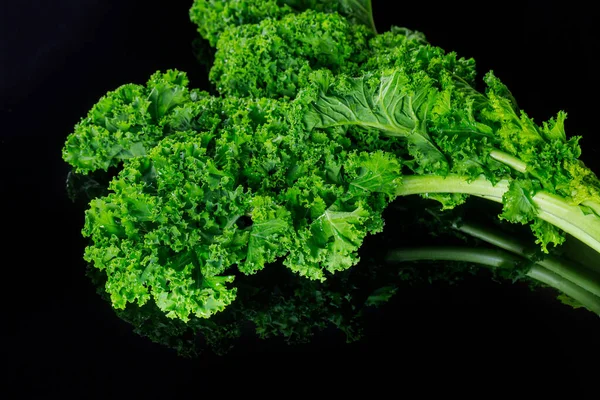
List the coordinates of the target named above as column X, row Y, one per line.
column 389, row 103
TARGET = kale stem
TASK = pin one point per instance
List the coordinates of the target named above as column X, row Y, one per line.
column 418, row 184
column 497, row 258
column 509, row 160
column 551, row 208
column 522, row 167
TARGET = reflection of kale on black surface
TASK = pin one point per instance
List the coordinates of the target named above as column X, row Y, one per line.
column 283, row 306
column 506, row 249
column 82, row 188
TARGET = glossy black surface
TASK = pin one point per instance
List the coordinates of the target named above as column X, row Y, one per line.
column 59, row 337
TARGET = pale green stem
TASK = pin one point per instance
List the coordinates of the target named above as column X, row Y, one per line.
column 509, row 160
column 521, row 166
column 551, row 208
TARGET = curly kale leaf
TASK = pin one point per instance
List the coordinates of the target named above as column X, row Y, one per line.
column 274, row 58
column 213, row 17
column 129, row 121
column 409, row 50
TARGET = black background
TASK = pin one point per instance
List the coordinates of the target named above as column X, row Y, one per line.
column 58, row 337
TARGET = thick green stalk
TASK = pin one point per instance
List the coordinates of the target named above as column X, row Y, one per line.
column 509, row 160
column 497, row 258
column 551, row 208
column 520, row 166
column 569, row 270
column 419, row 184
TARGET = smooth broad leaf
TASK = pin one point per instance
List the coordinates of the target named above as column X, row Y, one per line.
column 383, row 102
column 390, row 103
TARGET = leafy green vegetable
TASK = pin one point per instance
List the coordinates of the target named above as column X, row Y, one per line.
column 318, row 124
